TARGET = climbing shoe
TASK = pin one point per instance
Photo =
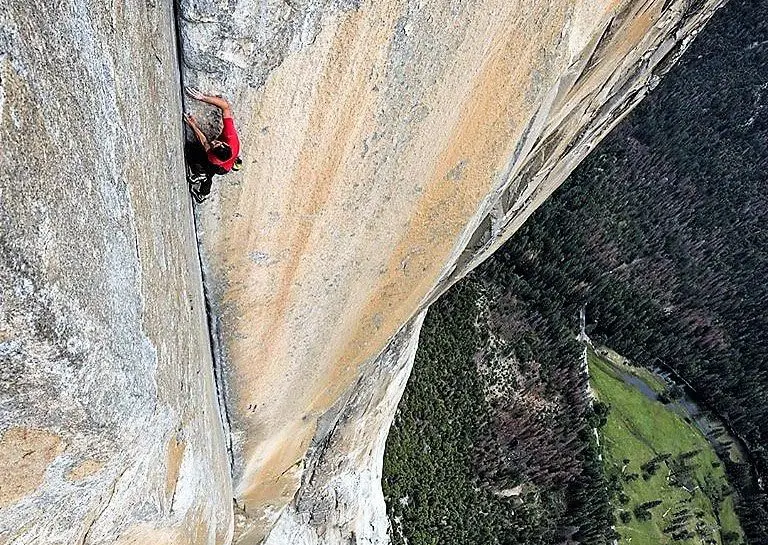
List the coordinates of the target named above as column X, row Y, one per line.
column 199, row 197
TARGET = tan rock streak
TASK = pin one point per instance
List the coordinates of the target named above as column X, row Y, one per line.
column 173, row 461
column 84, row 469
column 348, row 476
column 24, row 456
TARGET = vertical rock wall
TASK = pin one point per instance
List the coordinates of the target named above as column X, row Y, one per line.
column 388, row 147
column 109, row 428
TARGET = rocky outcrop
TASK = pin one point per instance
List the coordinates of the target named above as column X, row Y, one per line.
column 340, row 498
column 389, row 146
column 109, row 427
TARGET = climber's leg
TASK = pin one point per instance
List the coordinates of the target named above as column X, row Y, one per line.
column 197, row 163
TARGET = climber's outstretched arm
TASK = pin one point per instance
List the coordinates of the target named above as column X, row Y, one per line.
column 198, row 133
column 226, row 109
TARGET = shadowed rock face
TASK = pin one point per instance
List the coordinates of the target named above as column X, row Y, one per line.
column 109, row 428
column 389, row 147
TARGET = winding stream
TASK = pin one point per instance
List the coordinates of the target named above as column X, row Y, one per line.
column 715, row 431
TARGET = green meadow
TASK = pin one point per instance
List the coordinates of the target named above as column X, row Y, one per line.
column 667, row 483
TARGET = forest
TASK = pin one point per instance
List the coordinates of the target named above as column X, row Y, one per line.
column 661, row 233
column 483, row 450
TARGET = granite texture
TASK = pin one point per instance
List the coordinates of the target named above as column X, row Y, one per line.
column 109, row 426
column 389, row 147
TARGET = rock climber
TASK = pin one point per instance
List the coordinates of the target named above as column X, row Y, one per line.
column 219, row 156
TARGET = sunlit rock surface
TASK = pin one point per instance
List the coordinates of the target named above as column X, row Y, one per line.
column 389, row 146
column 341, row 495
column 109, row 427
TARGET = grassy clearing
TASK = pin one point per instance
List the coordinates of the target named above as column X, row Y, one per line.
column 618, row 361
column 666, row 477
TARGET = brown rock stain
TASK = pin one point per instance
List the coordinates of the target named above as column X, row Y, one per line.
column 173, row 457
column 345, row 86
column 84, row 469
column 194, row 532
column 280, row 470
column 342, row 87
column 25, row 454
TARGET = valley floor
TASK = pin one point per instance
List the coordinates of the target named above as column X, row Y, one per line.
column 667, row 482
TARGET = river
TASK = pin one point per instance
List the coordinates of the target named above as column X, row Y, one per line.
column 716, row 432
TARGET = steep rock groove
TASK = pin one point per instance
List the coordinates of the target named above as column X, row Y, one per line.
column 212, row 320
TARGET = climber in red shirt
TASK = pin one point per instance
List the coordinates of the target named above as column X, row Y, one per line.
column 219, row 156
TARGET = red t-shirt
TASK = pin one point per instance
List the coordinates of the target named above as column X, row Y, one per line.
column 228, row 136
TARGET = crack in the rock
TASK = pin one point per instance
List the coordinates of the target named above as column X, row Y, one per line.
column 104, row 507
column 216, row 359
column 211, row 318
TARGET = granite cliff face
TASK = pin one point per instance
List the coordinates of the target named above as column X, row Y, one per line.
column 389, row 147
column 109, row 426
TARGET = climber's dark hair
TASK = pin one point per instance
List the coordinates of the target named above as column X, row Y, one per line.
column 221, row 150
